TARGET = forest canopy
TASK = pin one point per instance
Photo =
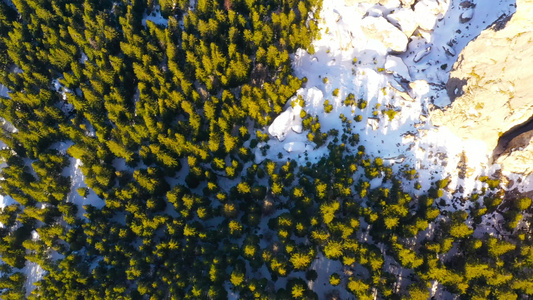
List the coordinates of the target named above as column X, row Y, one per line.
column 163, row 119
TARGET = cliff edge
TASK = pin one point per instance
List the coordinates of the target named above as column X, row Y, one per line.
column 491, row 91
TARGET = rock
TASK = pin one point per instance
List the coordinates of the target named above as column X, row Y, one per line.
column 405, row 19
column 281, row 125
column 314, row 101
column 296, row 119
column 397, row 67
column 519, row 160
column 294, row 147
column 419, row 88
column 373, row 123
column 467, row 15
column 421, row 54
column 466, row 4
column 407, row 3
column 405, row 96
column 380, row 30
column 395, row 85
column 491, row 83
column 390, row 3
column 448, row 49
column 374, row 12
column 288, row 120
column 425, row 16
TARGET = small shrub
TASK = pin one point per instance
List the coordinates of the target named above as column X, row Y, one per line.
column 391, row 113
column 84, row 192
column 311, row 49
column 362, row 104
column 327, row 107
column 350, row 100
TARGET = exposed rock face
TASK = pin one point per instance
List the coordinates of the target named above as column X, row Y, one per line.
column 380, row 30
column 491, row 88
column 405, row 19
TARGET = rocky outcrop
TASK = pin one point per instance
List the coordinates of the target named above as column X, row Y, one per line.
column 379, row 29
column 490, row 86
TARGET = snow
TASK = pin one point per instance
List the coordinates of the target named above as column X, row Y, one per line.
column 78, row 181
column 5, row 201
column 288, row 120
column 155, row 17
column 396, row 66
column 83, row 58
column 7, row 126
column 325, row 267
column 58, row 87
column 33, row 271
column 4, row 92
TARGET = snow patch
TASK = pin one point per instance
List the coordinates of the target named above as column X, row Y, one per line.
column 155, row 17
column 83, row 58
column 78, row 181
column 4, row 92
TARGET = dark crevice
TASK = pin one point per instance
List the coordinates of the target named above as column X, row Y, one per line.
column 516, row 137
column 454, row 87
column 501, row 22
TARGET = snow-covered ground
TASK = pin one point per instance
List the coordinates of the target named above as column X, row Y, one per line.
column 3, row 91
column 33, row 271
column 354, row 52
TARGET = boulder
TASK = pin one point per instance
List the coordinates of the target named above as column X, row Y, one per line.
column 426, row 15
column 294, row 147
column 467, row 15
column 405, row 19
column 380, row 30
column 518, row 160
column 397, row 67
column 288, row 120
column 421, row 54
column 490, row 89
